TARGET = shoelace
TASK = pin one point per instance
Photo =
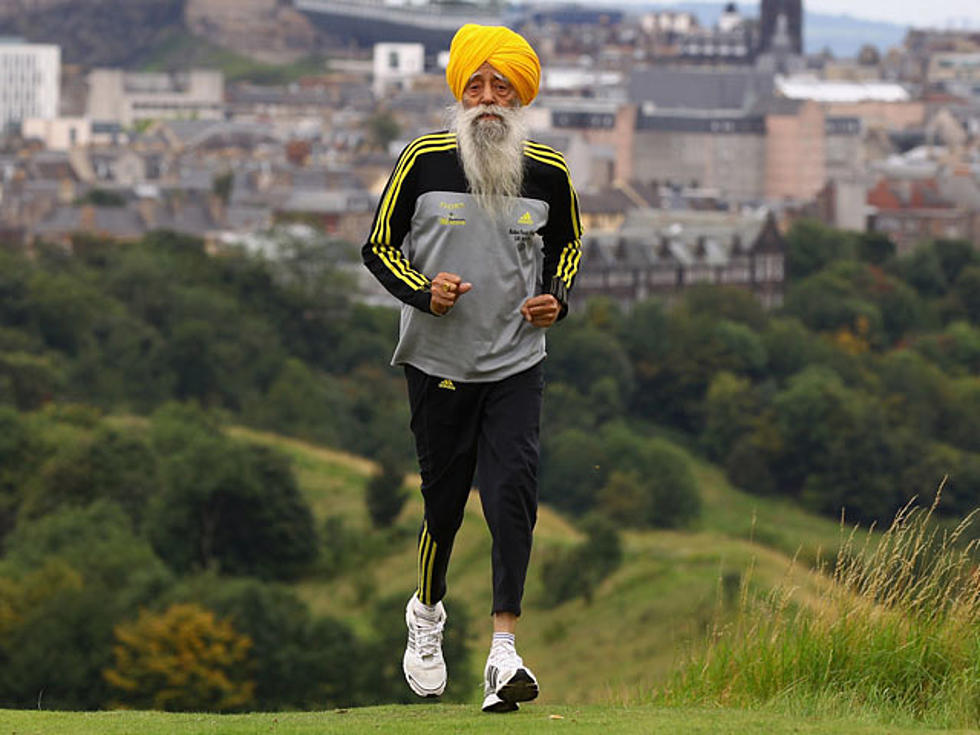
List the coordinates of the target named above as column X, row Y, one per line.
column 428, row 636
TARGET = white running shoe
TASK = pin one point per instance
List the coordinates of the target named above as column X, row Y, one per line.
column 506, row 680
column 424, row 667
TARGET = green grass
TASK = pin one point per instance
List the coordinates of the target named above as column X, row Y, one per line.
column 897, row 633
column 425, row 719
column 181, row 50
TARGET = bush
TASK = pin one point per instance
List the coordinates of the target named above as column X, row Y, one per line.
column 181, row 659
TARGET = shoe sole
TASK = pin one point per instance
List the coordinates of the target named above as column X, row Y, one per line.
column 493, row 703
column 521, row 688
column 420, row 691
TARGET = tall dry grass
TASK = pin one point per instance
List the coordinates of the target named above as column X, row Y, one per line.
column 896, row 632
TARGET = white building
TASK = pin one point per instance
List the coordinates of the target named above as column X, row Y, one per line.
column 396, row 65
column 130, row 97
column 30, row 81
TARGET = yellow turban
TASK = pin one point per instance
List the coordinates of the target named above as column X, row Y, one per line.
column 504, row 50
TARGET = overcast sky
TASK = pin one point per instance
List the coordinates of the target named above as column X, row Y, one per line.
column 939, row 13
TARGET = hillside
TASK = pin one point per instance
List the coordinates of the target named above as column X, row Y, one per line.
column 95, row 32
column 642, row 619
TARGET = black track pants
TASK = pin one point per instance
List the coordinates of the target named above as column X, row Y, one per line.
column 459, row 427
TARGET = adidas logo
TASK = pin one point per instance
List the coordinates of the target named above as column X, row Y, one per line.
column 525, row 219
column 447, row 384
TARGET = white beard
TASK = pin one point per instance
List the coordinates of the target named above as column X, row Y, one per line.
column 492, row 153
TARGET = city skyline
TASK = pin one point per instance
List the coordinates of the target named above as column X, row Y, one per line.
column 939, row 14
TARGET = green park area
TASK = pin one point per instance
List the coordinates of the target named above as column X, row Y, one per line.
column 208, row 502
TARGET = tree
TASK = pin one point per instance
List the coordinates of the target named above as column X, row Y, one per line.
column 109, row 464
column 967, row 289
column 792, row 347
column 831, row 301
column 954, row 256
column 20, row 452
column 923, row 270
column 565, row 408
column 577, row 571
column 875, row 248
column 386, row 494
column 28, row 381
column 650, row 482
column 581, row 355
column 731, row 410
column 811, row 246
column 961, row 419
column 182, row 659
column 233, row 505
column 573, row 469
column 298, row 661
column 914, row 391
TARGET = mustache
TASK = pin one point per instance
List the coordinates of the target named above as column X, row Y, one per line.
column 474, row 115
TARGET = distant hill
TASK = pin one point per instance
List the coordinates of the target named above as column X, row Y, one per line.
column 130, row 33
column 94, row 32
column 842, row 34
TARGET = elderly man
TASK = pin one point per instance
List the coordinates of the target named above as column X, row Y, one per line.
column 478, row 234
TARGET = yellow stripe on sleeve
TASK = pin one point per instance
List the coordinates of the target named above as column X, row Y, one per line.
column 550, row 156
column 426, row 144
column 403, row 161
column 568, row 263
column 396, row 263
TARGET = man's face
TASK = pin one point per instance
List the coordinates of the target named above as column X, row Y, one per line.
column 488, row 87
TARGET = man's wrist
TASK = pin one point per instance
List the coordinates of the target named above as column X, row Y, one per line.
column 558, row 289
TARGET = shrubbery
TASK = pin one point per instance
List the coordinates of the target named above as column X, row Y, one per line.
column 119, row 565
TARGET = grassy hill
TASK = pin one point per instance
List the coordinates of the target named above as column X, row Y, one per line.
column 641, row 622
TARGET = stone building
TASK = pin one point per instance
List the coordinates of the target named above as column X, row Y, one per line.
column 659, row 253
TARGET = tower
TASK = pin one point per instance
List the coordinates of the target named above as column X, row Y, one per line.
column 769, row 23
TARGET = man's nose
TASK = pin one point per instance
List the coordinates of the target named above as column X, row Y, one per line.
column 486, row 98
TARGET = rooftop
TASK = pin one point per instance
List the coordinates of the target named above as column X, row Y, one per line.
column 807, row 87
